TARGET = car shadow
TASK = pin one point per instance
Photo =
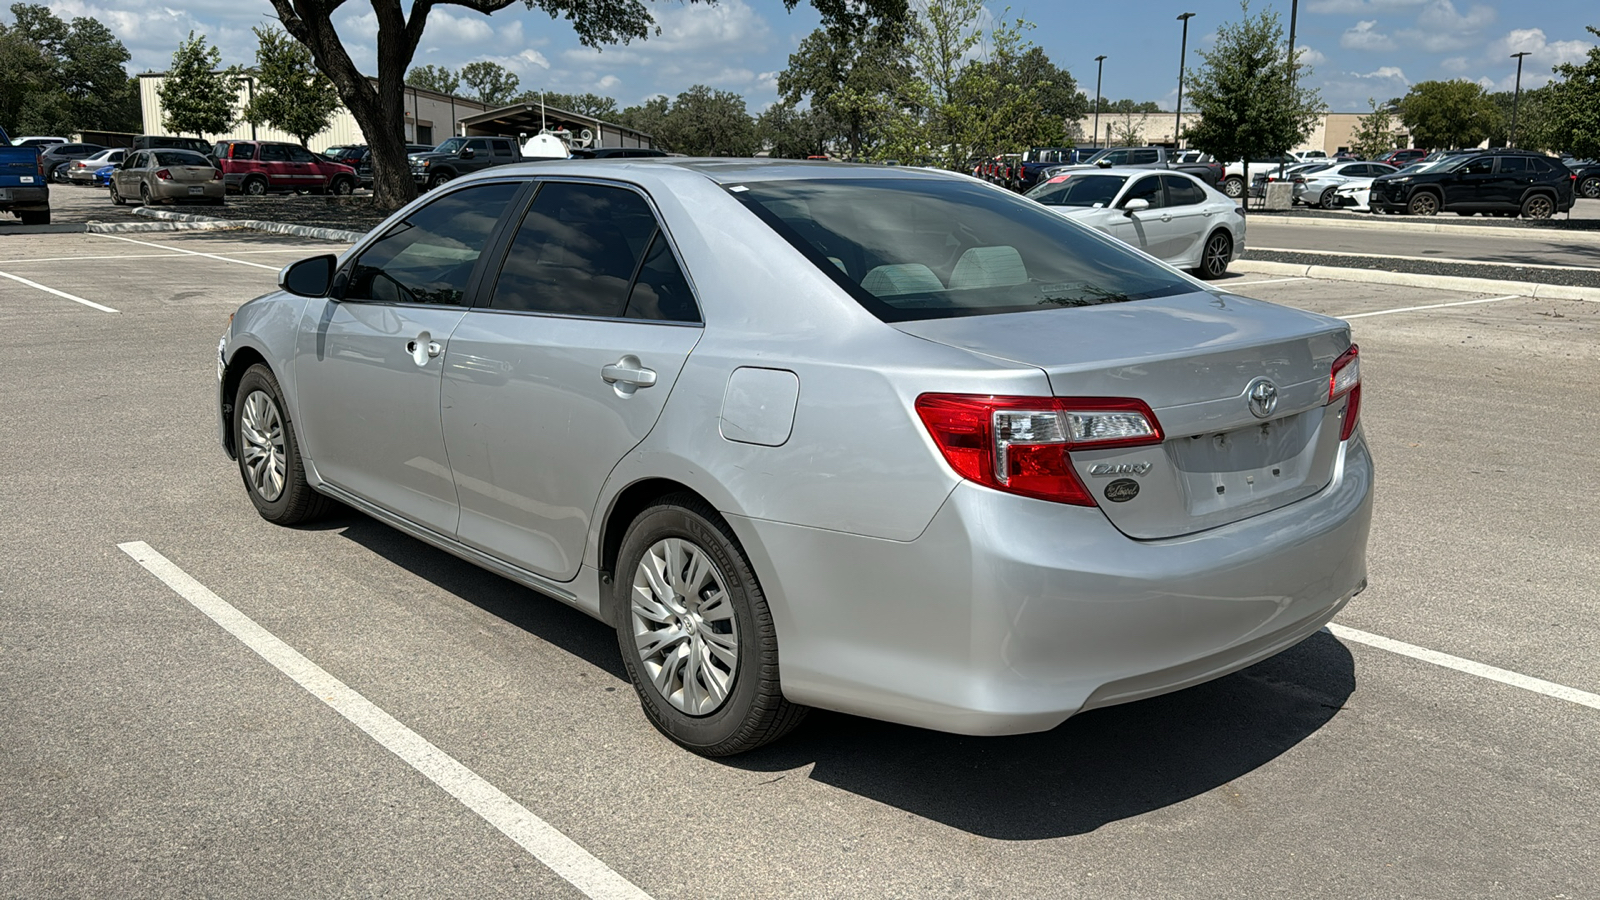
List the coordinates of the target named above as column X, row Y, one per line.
column 1099, row 767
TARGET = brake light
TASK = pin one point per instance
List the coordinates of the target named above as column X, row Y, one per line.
column 216, row 174
column 1021, row 445
column 164, row 174
column 1345, row 379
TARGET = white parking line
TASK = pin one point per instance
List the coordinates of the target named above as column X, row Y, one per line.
column 1386, row 312
column 1504, row 676
column 51, row 290
column 169, row 247
column 1436, row 259
column 552, row 848
column 40, row 259
column 1234, row 284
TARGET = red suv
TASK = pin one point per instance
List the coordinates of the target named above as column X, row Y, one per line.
column 257, row 167
column 1403, row 157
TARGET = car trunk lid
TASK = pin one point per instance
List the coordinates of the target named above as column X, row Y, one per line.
column 1195, row 359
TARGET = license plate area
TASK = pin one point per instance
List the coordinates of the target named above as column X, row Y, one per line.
column 1245, row 466
column 196, row 190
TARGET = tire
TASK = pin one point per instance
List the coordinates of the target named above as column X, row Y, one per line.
column 1326, row 200
column 1590, row 187
column 269, row 452
column 255, row 186
column 437, row 179
column 1538, row 206
column 668, row 543
column 343, row 187
column 116, row 198
column 35, row 218
column 1215, row 255
column 1233, row 186
column 144, row 195
column 1423, row 203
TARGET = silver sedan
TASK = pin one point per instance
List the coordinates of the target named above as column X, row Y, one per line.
column 878, row 440
column 1320, row 187
column 1170, row 215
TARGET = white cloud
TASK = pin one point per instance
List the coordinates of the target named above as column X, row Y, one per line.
column 1360, row 7
column 1541, row 51
column 606, row 83
column 1349, row 91
column 1441, row 15
column 1310, row 56
column 1365, row 36
column 1455, row 65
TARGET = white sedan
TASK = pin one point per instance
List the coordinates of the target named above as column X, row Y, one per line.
column 1169, row 215
column 1321, row 187
column 1353, row 193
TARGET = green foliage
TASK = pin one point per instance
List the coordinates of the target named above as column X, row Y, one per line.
column 493, row 83
column 1531, row 119
column 197, row 97
column 1126, row 106
column 791, row 133
column 593, row 105
column 1446, row 114
column 1375, row 135
column 1571, row 108
column 649, row 117
column 706, row 122
column 59, row 78
column 290, row 94
column 434, row 78
column 1250, row 96
column 850, row 79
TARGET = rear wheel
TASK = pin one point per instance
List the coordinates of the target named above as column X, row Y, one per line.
column 1539, row 206
column 1326, row 200
column 695, row 632
column 1233, row 186
column 1215, row 257
column 1423, row 204
column 255, row 186
column 41, row 217
column 1590, row 187
column 269, row 452
column 144, row 195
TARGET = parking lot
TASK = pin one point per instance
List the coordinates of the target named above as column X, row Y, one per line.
column 146, row 751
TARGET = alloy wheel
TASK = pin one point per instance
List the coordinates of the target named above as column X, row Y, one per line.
column 263, row 451
column 1424, row 205
column 1538, row 207
column 1233, row 187
column 1218, row 250
column 1590, row 187
column 684, row 629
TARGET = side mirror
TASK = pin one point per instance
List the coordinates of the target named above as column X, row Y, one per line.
column 1104, row 163
column 309, row 277
column 468, row 153
column 1134, row 205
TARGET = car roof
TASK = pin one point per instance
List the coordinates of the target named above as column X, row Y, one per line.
column 728, row 170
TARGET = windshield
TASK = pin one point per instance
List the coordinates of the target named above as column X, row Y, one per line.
column 452, row 145
column 936, row 248
column 1089, row 191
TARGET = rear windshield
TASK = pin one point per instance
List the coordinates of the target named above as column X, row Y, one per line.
column 180, row 158
column 940, row 248
column 1089, row 191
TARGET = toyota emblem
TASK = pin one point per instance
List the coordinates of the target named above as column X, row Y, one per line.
column 1263, row 397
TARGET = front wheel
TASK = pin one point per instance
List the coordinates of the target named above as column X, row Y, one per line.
column 116, row 196
column 695, row 632
column 343, row 187
column 437, row 179
column 1233, row 186
column 1539, row 206
column 1423, row 204
column 41, row 217
column 269, row 452
column 1215, row 257
column 1590, row 187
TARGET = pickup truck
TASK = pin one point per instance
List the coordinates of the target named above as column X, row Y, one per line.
column 24, row 190
column 1209, row 171
column 1233, row 181
column 459, row 156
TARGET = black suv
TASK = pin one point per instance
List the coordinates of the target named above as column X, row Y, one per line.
column 358, row 157
column 1501, row 182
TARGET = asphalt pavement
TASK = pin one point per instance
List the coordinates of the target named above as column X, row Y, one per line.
column 1392, row 241
column 147, row 752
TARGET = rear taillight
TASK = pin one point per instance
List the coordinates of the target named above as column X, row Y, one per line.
column 1345, row 379
column 216, row 174
column 164, row 174
column 1020, row 444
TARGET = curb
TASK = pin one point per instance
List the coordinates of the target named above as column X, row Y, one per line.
column 148, row 227
column 212, row 223
column 1419, row 227
column 1408, row 279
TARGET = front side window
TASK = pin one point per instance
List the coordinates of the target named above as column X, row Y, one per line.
column 1483, row 165
column 301, row 155
column 429, row 257
column 1147, row 189
column 478, row 145
column 576, row 251
column 926, row 248
column 1088, row 191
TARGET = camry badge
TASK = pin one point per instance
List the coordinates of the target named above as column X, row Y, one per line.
column 1109, row 469
column 1262, row 395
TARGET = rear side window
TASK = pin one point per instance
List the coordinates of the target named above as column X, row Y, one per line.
column 244, row 151
column 933, row 248
column 660, row 291
column 1145, row 157
column 1513, row 164
column 1542, row 166
column 502, row 148
column 429, row 257
column 576, row 251
column 1183, row 192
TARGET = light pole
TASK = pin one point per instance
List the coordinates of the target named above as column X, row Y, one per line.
column 1294, row 15
column 1100, row 68
column 1183, row 51
column 1516, row 98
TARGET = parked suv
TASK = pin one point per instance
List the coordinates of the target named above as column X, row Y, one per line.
column 1502, row 182
column 459, row 156
column 359, row 157
column 257, row 167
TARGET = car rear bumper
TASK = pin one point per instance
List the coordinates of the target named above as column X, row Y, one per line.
column 175, row 190
column 30, row 198
column 1009, row 615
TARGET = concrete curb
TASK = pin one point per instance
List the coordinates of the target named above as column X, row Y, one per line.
column 1414, row 226
column 1409, row 279
column 149, row 227
column 306, row 231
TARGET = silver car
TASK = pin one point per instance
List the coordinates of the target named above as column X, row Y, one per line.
column 1320, row 187
column 166, row 176
column 880, row 440
column 1172, row 216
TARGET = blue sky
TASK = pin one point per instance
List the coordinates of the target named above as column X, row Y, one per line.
column 1358, row 48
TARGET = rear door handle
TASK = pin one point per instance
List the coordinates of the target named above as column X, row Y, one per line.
column 628, row 374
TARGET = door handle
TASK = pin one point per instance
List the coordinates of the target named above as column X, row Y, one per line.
column 627, row 375
column 422, row 349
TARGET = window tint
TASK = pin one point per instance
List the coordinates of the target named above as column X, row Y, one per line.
column 926, row 248
column 478, row 144
column 274, row 153
column 1483, row 165
column 1513, row 164
column 244, row 151
column 1541, row 165
column 1182, row 191
column 1115, row 157
column 1145, row 157
column 576, row 251
column 1147, row 189
column 181, row 158
column 502, row 148
column 661, row 291
column 428, row 258
column 300, row 155
column 1093, row 191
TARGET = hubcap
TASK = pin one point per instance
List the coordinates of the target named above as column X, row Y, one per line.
column 683, row 626
column 263, row 453
column 1232, row 188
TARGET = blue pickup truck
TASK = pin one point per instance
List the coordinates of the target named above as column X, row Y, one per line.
column 24, row 189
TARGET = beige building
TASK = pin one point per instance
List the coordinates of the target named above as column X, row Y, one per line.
column 1332, row 133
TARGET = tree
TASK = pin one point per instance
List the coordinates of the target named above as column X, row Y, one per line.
column 379, row 107
column 197, row 97
column 1530, row 118
column 290, row 94
column 1124, row 134
column 1250, row 94
column 1126, row 106
column 1572, row 107
column 25, row 74
column 1445, row 114
column 704, row 122
column 649, row 118
column 849, row 78
column 791, row 133
column 495, row 85
column 56, row 77
column 438, row 79
column 592, row 105
column 1012, row 100
column 1375, row 135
